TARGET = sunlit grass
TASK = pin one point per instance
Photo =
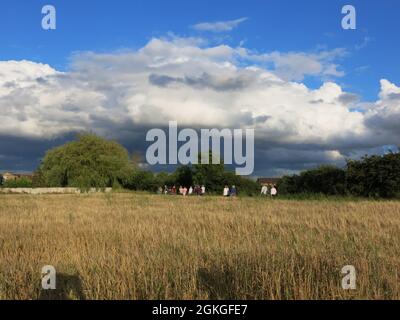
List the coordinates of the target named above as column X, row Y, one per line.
column 127, row 246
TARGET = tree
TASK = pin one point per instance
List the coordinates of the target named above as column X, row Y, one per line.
column 375, row 176
column 141, row 180
column 210, row 175
column 184, row 176
column 87, row 162
column 328, row 180
column 372, row 176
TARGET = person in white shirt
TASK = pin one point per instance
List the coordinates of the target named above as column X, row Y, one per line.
column 264, row 190
column 203, row 190
column 190, row 191
column 274, row 191
column 226, row 191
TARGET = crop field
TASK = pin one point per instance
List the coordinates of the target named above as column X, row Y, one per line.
column 139, row 246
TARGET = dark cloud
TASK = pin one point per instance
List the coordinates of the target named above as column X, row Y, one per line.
column 41, row 80
column 394, row 96
column 348, row 98
column 204, row 81
column 317, row 101
column 24, row 154
column 10, row 84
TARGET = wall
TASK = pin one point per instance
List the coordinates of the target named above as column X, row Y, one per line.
column 48, row 190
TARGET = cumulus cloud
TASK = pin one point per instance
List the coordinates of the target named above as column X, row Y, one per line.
column 384, row 116
column 219, row 26
column 297, row 65
column 123, row 94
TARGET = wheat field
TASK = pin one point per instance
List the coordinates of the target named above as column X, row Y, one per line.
column 137, row 246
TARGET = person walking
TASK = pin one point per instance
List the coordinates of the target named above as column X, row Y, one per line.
column 203, row 190
column 233, row 191
column 264, row 190
column 190, row 191
column 226, row 191
column 274, row 192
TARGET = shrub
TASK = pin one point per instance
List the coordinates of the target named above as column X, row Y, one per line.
column 18, row 183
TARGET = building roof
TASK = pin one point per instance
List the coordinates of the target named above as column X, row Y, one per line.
column 268, row 180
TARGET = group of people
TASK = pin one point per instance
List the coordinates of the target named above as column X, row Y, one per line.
column 184, row 191
column 230, row 192
column 269, row 190
column 198, row 190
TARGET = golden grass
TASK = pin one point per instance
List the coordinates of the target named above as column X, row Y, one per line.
column 127, row 246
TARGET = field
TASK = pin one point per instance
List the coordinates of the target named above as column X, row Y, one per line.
column 136, row 246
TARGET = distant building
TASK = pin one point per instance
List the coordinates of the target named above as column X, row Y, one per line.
column 268, row 181
column 8, row 176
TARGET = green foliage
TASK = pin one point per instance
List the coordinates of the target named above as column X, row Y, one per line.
column 210, row 175
column 164, row 178
column 92, row 162
column 88, row 162
column 373, row 177
column 183, row 176
column 327, row 180
column 18, row 183
column 142, row 180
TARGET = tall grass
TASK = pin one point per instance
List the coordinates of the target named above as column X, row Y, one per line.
column 127, row 246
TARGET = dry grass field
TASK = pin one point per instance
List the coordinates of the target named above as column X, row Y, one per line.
column 130, row 246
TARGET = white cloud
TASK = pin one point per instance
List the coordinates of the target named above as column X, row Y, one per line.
column 220, row 26
column 366, row 41
column 297, row 65
column 384, row 116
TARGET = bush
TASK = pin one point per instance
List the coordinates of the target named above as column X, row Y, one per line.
column 141, row 181
column 327, row 180
column 18, row 183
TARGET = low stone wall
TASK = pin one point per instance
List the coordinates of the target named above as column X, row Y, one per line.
column 50, row 190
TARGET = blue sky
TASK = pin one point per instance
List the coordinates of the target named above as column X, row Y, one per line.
column 314, row 92
column 284, row 25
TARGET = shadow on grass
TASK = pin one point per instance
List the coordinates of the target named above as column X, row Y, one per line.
column 68, row 287
column 274, row 276
column 219, row 283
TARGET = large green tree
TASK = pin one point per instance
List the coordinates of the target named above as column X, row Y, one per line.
column 375, row 176
column 87, row 162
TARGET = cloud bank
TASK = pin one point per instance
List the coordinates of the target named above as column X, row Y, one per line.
column 123, row 94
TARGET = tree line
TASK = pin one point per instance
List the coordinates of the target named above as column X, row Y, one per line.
column 93, row 162
column 370, row 177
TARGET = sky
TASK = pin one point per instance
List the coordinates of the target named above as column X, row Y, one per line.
column 314, row 92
